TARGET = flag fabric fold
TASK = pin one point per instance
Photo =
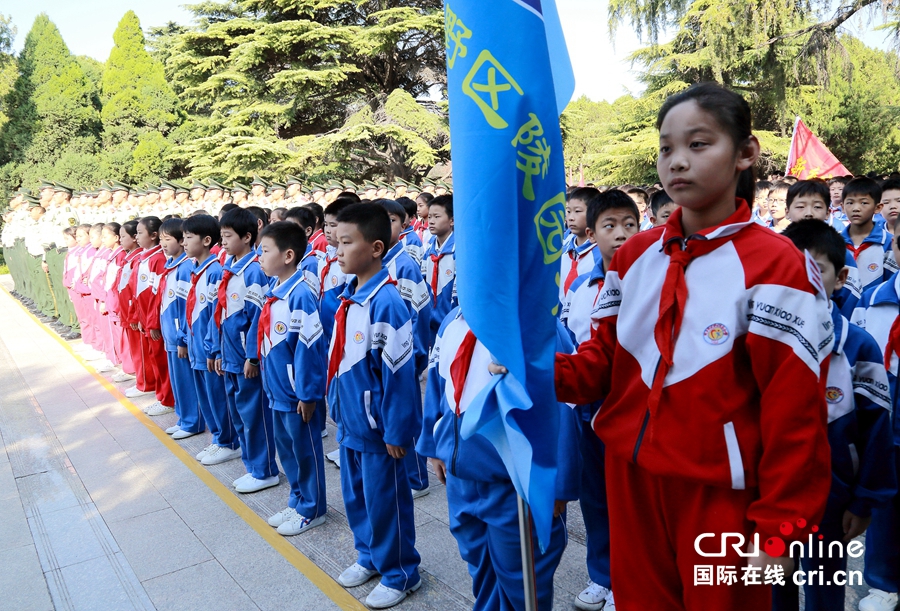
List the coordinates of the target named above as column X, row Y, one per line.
column 809, row 158
column 509, row 78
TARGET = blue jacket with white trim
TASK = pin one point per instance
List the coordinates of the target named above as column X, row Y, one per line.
column 171, row 308
column 874, row 257
column 373, row 395
column 414, row 291
column 848, row 297
column 859, row 421
column 445, row 299
column 333, row 285
column 475, row 458
column 234, row 343
column 199, row 340
column 293, row 362
column 412, row 244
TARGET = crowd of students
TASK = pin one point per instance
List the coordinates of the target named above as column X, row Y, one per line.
column 713, row 375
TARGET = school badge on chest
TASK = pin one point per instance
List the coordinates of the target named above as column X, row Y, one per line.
column 358, row 337
column 715, row 334
column 873, row 267
column 280, row 328
column 143, row 277
column 833, row 394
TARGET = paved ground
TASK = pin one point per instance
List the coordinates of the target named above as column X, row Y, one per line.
column 102, row 510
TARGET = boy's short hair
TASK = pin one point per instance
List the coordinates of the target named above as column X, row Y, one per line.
column 445, row 201
column 202, row 225
column 302, row 215
column 637, row 191
column 614, row 199
column 371, row 221
column 808, row 188
column 779, row 187
column 891, row 184
column 286, row 235
column 318, row 211
column 408, row 205
column 392, row 207
column 199, row 213
column 335, row 207
column 242, row 222
column 862, row 186
column 260, row 213
column 763, row 185
column 279, row 210
column 227, row 208
column 838, row 180
column 172, row 227
column 584, row 194
column 658, row 200
column 818, row 237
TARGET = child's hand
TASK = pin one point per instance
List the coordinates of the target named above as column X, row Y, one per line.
column 155, row 335
column 497, row 369
column 854, row 526
column 182, row 352
column 251, row 371
column 559, row 507
column 211, row 365
column 140, row 327
column 103, row 307
column 134, row 326
column 764, row 559
column 397, row 452
column 440, row 469
column 45, row 267
column 306, row 410
column 218, row 366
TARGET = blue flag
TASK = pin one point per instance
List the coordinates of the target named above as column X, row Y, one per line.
column 509, row 78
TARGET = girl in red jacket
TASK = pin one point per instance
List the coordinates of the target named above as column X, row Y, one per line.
column 709, row 356
column 128, row 311
column 145, row 282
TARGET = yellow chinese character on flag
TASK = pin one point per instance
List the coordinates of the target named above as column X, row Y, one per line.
column 490, row 84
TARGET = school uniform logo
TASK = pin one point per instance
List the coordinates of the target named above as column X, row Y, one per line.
column 715, row 334
column 280, row 328
column 358, row 337
column 234, row 297
column 334, row 281
column 202, row 298
column 170, row 293
column 873, row 267
column 833, row 395
column 143, row 277
column 449, row 272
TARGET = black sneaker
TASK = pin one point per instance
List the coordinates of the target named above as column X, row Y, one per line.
column 71, row 336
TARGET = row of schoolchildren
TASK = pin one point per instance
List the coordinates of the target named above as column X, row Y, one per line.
column 236, row 342
column 858, row 270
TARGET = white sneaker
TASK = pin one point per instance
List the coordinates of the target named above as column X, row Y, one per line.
column 383, row 597
column 182, row 434
column 246, row 485
column 218, row 455
column 355, row 575
column 158, row 409
column 420, row 493
column 92, row 355
column 173, row 429
column 878, row 600
column 335, row 456
column 104, row 366
column 133, row 392
column 298, row 524
column 122, row 377
column 593, row 598
column 282, row 516
column 610, row 603
column 202, row 453
column 81, row 348
column 324, row 433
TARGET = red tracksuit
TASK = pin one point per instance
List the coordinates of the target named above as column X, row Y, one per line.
column 710, row 356
column 146, row 280
column 129, row 315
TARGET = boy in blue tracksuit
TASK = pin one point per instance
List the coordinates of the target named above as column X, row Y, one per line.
column 439, row 262
column 174, row 331
column 239, row 300
column 611, row 218
column 859, row 430
column 309, row 263
column 869, row 242
column 408, row 275
column 292, row 349
column 200, row 233
column 372, row 396
column 480, row 494
column 332, row 279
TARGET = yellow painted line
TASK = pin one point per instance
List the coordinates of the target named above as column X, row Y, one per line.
column 319, row 578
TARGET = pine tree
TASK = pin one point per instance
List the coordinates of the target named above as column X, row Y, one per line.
column 52, row 116
column 139, row 106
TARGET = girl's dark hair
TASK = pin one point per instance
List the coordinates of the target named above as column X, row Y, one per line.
column 70, row 231
column 408, row 205
column 261, row 214
column 172, row 227
column 426, row 197
column 130, row 227
column 319, row 212
column 113, row 227
column 731, row 111
column 98, row 227
column 151, row 223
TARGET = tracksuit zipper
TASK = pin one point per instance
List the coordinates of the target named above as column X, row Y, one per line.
column 640, row 437
column 455, row 445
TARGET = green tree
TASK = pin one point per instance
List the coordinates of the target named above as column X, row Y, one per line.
column 139, row 106
column 8, row 70
column 52, row 117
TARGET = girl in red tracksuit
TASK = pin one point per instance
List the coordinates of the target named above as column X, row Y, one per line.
column 709, row 357
column 128, row 312
column 106, row 291
column 145, row 282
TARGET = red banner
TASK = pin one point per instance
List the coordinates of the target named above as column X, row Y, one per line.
column 809, row 158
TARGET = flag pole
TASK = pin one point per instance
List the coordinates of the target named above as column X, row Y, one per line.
column 527, row 547
column 791, row 160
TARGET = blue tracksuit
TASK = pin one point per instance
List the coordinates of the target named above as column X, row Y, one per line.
column 411, row 285
column 174, row 331
column 210, row 387
column 439, row 270
column 309, row 265
column 293, row 369
column 333, row 282
column 412, row 244
column 372, row 399
column 848, row 297
column 874, row 257
column 578, row 309
column 234, row 344
column 480, row 495
column 862, row 466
